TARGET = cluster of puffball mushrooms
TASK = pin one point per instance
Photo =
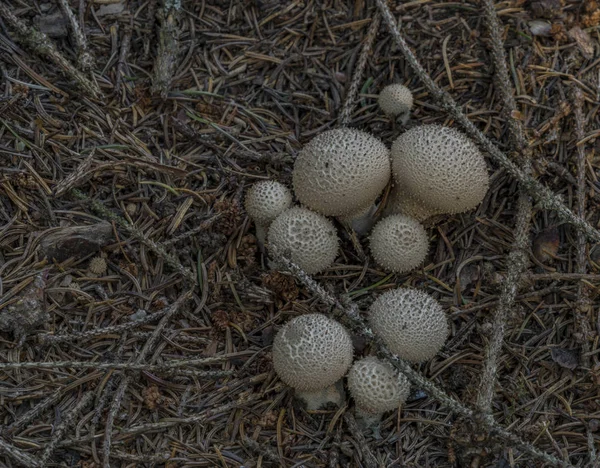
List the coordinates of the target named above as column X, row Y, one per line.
column 341, row 173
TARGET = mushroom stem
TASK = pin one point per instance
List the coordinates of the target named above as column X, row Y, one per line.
column 261, row 235
column 367, row 419
column 316, row 399
column 360, row 221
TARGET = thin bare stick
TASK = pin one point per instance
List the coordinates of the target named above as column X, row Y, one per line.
column 517, row 258
column 85, row 60
column 42, row 45
column 584, row 304
column 166, row 366
column 350, row 101
column 17, row 455
column 541, row 194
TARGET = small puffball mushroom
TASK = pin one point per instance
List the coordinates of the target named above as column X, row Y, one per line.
column 310, row 239
column 411, row 323
column 341, row 172
column 265, row 201
column 311, row 353
column 399, row 243
column 441, row 168
column 376, row 387
column 399, row 202
column 396, row 100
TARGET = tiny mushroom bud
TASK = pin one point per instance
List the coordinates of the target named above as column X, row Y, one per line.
column 311, row 353
column 310, row 239
column 264, row 202
column 376, row 387
column 411, row 323
column 399, row 243
column 396, row 100
column 441, row 168
column 341, row 172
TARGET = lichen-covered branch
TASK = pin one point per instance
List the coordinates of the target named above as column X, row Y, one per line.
column 42, row 45
column 85, row 60
column 166, row 58
column 517, row 259
column 359, row 70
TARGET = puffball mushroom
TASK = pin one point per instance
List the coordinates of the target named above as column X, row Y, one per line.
column 311, row 353
column 341, row 172
column 399, row 243
column 265, row 201
column 411, row 323
column 376, row 387
column 310, row 238
column 396, row 100
column 441, row 168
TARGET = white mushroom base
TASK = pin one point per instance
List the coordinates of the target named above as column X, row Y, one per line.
column 317, row 399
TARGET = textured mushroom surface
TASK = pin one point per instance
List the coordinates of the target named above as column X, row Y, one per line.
column 312, row 352
column 411, row 323
column 341, row 171
column 310, row 238
column 395, row 99
column 266, row 200
column 440, row 167
column 399, row 243
column 376, row 386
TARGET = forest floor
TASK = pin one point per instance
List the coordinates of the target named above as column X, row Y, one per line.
column 136, row 312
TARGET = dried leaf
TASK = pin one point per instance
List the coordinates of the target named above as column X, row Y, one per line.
column 565, row 358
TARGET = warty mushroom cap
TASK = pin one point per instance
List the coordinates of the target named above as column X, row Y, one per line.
column 311, row 352
column 440, row 167
column 341, row 171
column 411, row 323
column 395, row 99
column 376, row 386
column 399, row 243
column 310, row 239
column 266, row 200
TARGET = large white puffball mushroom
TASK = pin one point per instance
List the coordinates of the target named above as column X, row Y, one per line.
column 396, row 100
column 311, row 353
column 441, row 168
column 399, row 243
column 411, row 323
column 265, row 201
column 376, row 387
column 341, row 171
column 310, row 239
